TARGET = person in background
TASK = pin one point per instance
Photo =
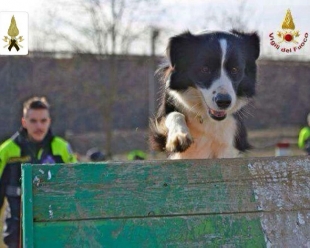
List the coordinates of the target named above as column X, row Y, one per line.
column 33, row 143
column 304, row 137
column 95, row 155
column 136, row 155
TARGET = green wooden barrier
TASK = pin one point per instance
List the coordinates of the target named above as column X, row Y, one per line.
column 259, row 202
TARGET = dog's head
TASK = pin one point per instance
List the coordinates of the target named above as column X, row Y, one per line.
column 220, row 66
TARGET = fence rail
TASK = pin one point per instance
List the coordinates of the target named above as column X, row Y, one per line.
column 253, row 202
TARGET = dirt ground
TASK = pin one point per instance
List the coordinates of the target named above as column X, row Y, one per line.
column 264, row 144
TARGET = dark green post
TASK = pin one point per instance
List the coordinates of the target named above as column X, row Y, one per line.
column 27, row 219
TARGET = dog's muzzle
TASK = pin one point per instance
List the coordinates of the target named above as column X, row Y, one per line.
column 223, row 101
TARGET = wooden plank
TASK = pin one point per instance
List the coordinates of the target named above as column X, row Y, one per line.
column 27, row 206
column 171, row 188
column 140, row 189
column 186, row 231
column 167, row 200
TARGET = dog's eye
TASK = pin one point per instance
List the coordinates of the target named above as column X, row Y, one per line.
column 234, row 70
column 205, row 69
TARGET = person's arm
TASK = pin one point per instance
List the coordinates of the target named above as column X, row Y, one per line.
column 304, row 134
column 2, row 166
column 63, row 148
column 8, row 150
column 2, row 194
column 70, row 155
column 2, row 160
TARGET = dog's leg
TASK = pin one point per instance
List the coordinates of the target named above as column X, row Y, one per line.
column 179, row 137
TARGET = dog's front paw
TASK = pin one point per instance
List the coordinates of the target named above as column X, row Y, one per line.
column 178, row 141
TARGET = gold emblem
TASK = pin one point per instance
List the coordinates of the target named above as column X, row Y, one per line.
column 288, row 33
column 286, row 39
column 14, row 40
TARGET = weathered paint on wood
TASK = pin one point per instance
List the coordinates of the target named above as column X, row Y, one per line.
column 257, row 202
column 182, row 231
column 138, row 190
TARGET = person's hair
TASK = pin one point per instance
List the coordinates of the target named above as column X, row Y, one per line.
column 35, row 103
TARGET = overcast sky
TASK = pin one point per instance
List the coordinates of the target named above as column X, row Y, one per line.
column 266, row 16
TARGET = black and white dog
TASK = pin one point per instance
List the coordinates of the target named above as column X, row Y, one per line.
column 210, row 78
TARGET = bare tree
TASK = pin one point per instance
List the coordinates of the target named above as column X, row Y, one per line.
column 99, row 27
column 238, row 19
column 232, row 15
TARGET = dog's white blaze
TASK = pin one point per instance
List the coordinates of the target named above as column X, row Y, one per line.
column 221, row 85
column 223, row 44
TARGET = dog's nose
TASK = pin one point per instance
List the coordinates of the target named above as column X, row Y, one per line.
column 223, row 101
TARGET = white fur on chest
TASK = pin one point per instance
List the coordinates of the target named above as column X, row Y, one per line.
column 212, row 139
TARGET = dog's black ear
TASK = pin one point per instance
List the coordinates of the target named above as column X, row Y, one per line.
column 179, row 49
column 251, row 40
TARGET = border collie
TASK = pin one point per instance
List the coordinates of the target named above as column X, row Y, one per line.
column 211, row 77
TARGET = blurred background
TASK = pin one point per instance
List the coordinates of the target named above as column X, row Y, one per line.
column 95, row 60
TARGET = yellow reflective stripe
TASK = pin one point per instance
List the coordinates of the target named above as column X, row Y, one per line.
column 40, row 154
column 304, row 134
column 9, row 149
column 62, row 148
column 19, row 159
